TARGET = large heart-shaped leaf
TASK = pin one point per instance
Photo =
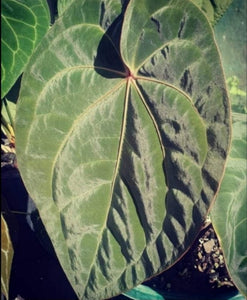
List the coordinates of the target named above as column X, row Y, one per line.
column 122, row 134
column 23, row 24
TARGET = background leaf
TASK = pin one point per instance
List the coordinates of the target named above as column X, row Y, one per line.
column 122, row 143
column 230, row 209
column 6, row 257
column 23, row 24
column 9, row 112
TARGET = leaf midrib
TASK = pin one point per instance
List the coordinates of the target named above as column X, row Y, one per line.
column 119, row 152
column 130, row 82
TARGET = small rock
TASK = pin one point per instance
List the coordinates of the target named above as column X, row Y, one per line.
column 200, row 268
column 208, row 246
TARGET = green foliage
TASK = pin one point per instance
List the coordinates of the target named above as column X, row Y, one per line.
column 122, row 143
column 8, row 111
column 23, row 25
column 229, row 213
column 123, row 129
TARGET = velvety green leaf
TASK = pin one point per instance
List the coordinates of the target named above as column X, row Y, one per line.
column 214, row 10
column 23, row 24
column 6, row 257
column 122, row 142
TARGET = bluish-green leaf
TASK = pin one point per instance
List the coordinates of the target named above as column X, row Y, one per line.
column 122, row 142
column 229, row 213
column 23, row 24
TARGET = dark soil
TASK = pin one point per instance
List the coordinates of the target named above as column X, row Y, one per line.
column 201, row 271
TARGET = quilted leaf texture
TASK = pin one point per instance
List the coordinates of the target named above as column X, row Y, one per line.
column 122, row 134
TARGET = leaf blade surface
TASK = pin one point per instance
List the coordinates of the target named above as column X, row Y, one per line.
column 24, row 23
column 121, row 169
